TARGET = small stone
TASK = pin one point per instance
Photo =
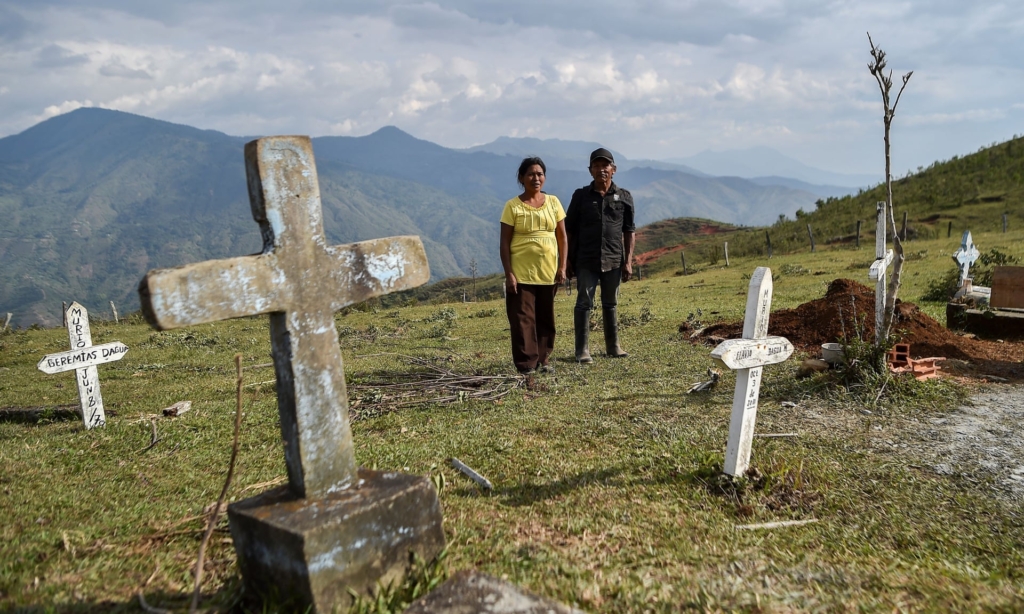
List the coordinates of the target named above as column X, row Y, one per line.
column 943, row 469
column 811, row 366
column 866, row 412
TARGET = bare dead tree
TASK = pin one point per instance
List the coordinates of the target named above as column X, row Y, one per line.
column 877, row 67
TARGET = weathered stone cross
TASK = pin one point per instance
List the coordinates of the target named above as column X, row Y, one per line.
column 335, row 527
column 82, row 359
column 748, row 356
column 301, row 282
column 966, row 256
column 883, row 258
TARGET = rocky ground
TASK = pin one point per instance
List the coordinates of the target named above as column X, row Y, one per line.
column 984, row 439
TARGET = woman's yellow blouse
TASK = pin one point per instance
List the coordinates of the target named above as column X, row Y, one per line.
column 534, row 249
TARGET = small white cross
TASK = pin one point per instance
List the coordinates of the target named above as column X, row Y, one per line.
column 82, row 359
column 877, row 272
column 748, row 356
column 966, row 256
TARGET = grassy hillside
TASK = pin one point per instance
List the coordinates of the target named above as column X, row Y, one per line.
column 972, row 192
column 606, row 490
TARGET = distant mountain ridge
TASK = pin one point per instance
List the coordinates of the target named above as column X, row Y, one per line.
column 93, row 199
column 765, row 162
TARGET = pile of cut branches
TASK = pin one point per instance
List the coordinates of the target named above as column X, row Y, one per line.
column 428, row 383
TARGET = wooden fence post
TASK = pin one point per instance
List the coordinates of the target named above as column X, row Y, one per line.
column 64, row 314
column 768, row 238
column 858, row 234
column 726, row 254
column 811, row 235
column 949, row 229
column 1004, row 223
column 682, row 256
column 114, row 311
column 7, row 321
column 903, row 228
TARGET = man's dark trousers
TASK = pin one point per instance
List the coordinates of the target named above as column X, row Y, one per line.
column 586, row 285
column 531, row 320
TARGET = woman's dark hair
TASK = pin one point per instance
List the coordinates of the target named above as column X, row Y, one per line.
column 525, row 166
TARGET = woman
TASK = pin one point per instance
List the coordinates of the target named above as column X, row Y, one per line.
column 533, row 253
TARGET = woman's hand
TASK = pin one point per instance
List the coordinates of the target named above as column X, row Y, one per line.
column 560, row 277
column 511, row 284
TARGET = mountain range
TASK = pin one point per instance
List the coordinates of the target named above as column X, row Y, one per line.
column 91, row 200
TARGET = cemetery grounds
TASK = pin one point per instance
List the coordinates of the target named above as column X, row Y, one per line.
column 607, row 489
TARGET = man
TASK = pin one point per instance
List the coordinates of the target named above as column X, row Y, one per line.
column 599, row 225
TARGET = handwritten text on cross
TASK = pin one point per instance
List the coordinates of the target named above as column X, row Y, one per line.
column 748, row 356
column 82, row 359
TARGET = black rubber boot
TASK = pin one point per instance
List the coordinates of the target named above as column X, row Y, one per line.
column 611, row 334
column 581, row 324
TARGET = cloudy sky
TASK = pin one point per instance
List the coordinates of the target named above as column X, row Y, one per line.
column 653, row 79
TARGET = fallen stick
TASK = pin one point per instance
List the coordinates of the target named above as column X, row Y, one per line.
column 774, row 525
column 473, row 475
column 153, row 439
column 273, row 482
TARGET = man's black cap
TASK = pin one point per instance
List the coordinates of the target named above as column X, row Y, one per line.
column 601, row 153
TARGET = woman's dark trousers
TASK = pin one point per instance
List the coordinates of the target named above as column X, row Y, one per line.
column 531, row 319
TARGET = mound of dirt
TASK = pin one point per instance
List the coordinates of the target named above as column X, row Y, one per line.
column 848, row 307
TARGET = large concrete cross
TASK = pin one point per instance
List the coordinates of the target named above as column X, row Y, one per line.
column 877, row 272
column 965, row 256
column 748, row 356
column 301, row 282
column 82, row 359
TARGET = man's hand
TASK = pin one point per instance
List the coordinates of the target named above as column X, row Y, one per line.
column 627, row 271
column 511, row 284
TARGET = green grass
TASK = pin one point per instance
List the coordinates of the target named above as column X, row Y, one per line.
column 606, row 493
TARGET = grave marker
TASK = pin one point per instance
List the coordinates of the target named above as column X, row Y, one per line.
column 748, row 356
column 877, row 272
column 334, row 526
column 83, row 359
column 966, row 256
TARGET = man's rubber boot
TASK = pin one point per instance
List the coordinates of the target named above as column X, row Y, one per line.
column 581, row 324
column 611, row 334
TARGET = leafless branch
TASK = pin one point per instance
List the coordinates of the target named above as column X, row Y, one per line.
column 197, row 592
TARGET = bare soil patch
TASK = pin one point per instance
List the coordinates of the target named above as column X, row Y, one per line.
column 848, row 310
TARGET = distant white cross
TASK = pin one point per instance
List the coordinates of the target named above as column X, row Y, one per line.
column 966, row 256
column 82, row 359
column 748, row 356
column 883, row 258
column 301, row 281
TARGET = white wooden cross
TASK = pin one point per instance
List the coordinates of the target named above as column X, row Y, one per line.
column 748, row 356
column 301, row 281
column 966, row 256
column 877, row 272
column 82, row 359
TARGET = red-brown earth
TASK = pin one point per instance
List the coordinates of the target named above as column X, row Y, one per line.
column 848, row 310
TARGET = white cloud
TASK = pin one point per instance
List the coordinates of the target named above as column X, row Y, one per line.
column 658, row 79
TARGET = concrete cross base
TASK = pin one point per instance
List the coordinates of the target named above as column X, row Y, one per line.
column 296, row 554
column 471, row 592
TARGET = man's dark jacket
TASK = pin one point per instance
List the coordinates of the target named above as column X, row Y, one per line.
column 595, row 225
